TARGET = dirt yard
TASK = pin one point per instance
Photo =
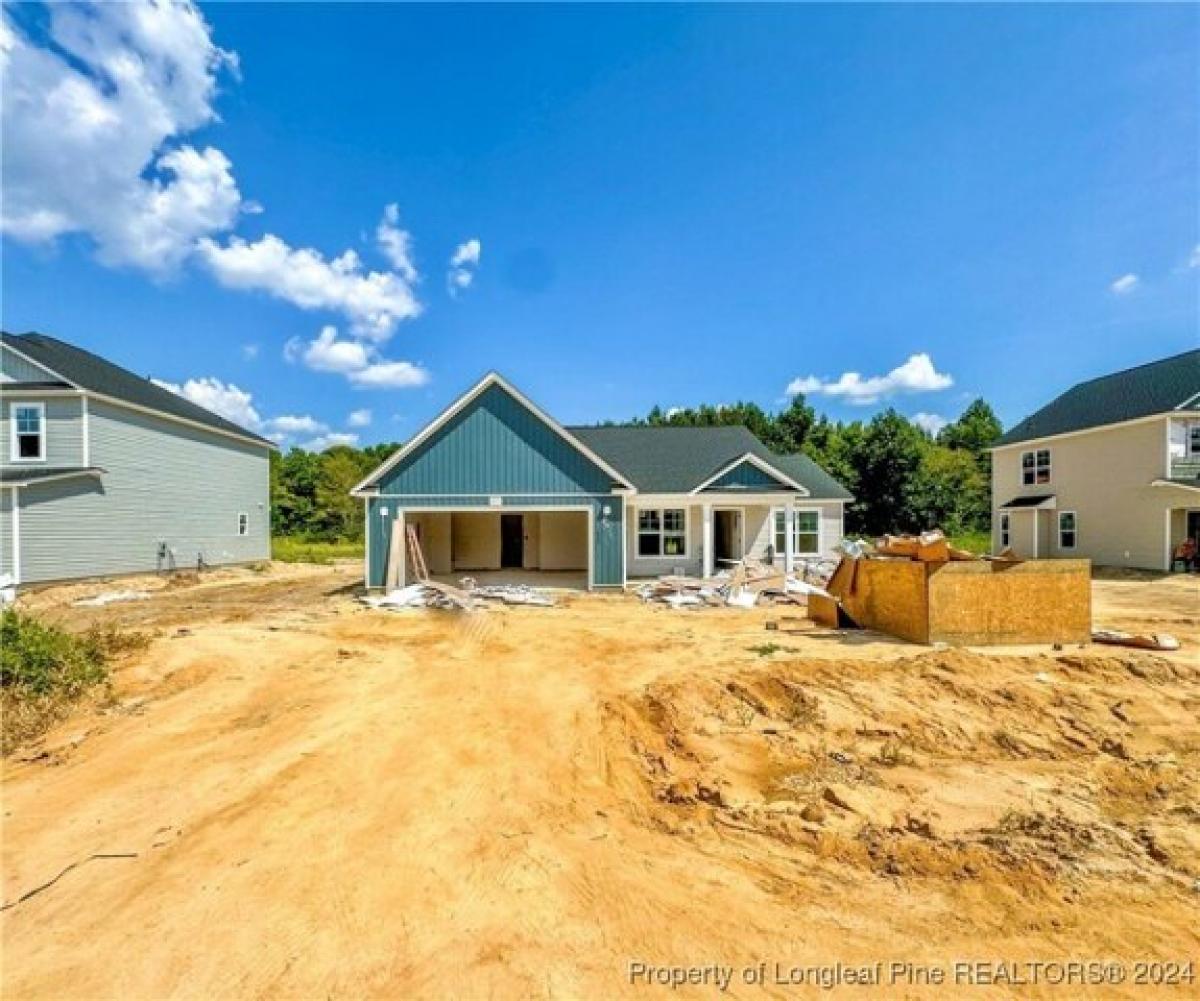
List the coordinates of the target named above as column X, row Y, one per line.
column 292, row 796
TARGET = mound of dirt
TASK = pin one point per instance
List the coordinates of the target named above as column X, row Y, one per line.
column 1036, row 771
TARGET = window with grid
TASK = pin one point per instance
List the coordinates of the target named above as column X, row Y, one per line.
column 805, row 532
column 1035, row 467
column 29, row 423
column 662, row 532
column 1066, row 530
column 243, row 524
column 1004, row 531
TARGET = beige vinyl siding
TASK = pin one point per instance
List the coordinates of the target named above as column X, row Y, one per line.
column 163, row 483
column 760, row 527
column 63, row 444
column 1103, row 476
column 653, row 566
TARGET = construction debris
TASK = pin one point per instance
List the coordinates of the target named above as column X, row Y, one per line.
column 510, row 594
column 1140, row 641
column 747, row 584
column 426, row 594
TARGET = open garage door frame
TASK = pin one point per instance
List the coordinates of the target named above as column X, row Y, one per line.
column 586, row 509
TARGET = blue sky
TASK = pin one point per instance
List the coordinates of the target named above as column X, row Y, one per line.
column 666, row 205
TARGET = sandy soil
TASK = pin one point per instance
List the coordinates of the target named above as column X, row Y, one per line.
column 322, row 800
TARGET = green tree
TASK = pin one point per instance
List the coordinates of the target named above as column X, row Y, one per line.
column 949, row 491
column 976, row 430
column 793, row 426
column 886, row 461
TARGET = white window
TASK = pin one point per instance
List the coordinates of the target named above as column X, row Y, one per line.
column 1035, row 467
column 1194, row 441
column 1005, row 533
column 1066, row 529
column 662, row 532
column 243, row 523
column 806, row 532
column 28, row 422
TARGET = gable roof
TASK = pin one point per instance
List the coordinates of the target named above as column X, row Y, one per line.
column 1154, row 388
column 489, row 380
column 94, row 374
column 666, row 459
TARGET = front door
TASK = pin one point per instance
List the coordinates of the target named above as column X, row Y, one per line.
column 512, row 541
column 727, row 536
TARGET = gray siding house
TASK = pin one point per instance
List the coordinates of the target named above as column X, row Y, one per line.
column 103, row 472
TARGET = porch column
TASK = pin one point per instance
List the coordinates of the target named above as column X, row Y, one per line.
column 789, row 545
column 707, row 544
column 1035, row 532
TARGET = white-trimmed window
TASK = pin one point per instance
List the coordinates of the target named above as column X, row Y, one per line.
column 243, row 523
column 1194, row 441
column 1035, row 467
column 662, row 532
column 1066, row 529
column 28, row 421
column 1005, row 530
column 806, row 532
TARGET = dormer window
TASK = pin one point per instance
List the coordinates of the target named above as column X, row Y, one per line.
column 28, row 421
column 1035, row 467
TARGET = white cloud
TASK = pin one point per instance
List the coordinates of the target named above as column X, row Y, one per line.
column 289, row 424
column 916, row 375
column 221, row 398
column 324, row 441
column 396, row 244
column 463, row 263
column 1125, row 284
column 250, row 351
column 92, row 122
column 1194, row 257
column 359, row 418
column 931, row 423
column 359, row 362
column 373, row 301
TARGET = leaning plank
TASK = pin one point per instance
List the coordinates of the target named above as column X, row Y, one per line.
column 395, row 555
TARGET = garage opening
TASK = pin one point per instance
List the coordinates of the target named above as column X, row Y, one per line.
column 538, row 548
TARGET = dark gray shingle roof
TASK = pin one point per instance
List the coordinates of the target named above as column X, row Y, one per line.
column 95, row 374
column 1154, row 388
column 668, row 459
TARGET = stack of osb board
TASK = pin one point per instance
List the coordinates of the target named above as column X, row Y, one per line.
column 977, row 603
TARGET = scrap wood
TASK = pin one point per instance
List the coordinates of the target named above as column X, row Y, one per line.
column 109, row 597
column 1140, row 641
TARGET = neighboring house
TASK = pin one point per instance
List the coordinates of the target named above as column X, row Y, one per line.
column 1110, row 470
column 104, row 472
column 495, row 483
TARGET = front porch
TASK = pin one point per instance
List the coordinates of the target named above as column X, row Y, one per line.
column 684, row 535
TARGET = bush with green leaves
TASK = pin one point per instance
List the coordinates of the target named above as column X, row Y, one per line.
column 42, row 659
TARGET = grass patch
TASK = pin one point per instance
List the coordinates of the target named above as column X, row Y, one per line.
column 293, row 549
column 44, row 670
column 973, row 542
column 765, row 649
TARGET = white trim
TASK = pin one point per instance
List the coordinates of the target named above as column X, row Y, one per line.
column 7, row 345
column 43, row 432
column 1035, row 532
column 624, row 542
column 1029, row 442
column 86, row 431
column 802, row 509
column 116, row 402
column 489, row 380
column 1004, row 530
column 771, row 499
column 1191, row 399
column 1035, row 482
column 240, row 516
column 12, row 390
column 484, row 493
column 95, row 471
column 16, row 536
column 754, row 460
column 706, row 542
column 687, row 542
column 1168, row 550
column 485, row 509
column 1175, row 483
column 741, row 528
column 1074, row 531
column 367, row 541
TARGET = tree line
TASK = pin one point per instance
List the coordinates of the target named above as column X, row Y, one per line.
column 903, row 478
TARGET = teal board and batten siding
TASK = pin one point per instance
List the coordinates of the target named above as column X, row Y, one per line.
column 163, row 482
column 747, row 476
column 496, row 448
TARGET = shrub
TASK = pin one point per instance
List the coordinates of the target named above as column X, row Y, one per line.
column 43, row 669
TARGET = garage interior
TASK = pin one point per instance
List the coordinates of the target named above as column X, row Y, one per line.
column 539, row 548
